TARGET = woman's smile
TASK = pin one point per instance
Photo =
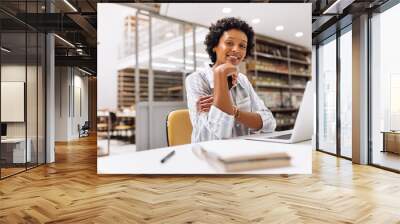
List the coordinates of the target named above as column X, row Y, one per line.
column 234, row 59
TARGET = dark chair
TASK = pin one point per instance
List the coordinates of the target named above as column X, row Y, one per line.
column 112, row 123
column 84, row 130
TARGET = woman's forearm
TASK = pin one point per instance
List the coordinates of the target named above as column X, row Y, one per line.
column 222, row 98
column 223, row 101
column 250, row 119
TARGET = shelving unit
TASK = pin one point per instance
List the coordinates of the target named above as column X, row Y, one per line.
column 126, row 88
column 279, row 72
column 167, row 86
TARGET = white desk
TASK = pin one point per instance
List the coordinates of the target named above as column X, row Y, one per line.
column 186, row 162
column 19, row 149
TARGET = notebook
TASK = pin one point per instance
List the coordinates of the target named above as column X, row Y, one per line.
column 236, row 155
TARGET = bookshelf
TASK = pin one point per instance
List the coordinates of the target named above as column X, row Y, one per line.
column 168, row 86
column 279, row 72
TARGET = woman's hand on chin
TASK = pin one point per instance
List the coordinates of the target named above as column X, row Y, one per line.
column 222, row 71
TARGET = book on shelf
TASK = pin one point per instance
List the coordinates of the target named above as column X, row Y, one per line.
column 235, row 156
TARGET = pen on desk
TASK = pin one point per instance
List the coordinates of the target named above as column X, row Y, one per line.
column 169, row 155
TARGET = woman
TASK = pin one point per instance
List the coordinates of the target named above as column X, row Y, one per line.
column 221, row 101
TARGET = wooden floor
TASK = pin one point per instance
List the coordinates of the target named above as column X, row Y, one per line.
column 10, row 171
column 387, row 159
column 70, row 191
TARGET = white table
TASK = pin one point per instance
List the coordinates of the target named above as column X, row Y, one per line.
column 19, row 155
column 186, row 162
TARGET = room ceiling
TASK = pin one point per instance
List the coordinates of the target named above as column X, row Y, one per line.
column 270, row 15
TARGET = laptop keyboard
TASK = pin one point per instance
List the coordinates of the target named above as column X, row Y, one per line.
column 285, row 137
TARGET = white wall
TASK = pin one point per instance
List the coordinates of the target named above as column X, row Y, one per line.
column 79, row 117
column 33, row 126
column 61, row 103
column 67, row 114
column 16, row 73
column 110, row 31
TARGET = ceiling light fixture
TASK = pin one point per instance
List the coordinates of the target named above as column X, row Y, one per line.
column 79, row 51
column 70, row 5
column 279, row 28
column 331, row 7
column 5, row 50
column 299, row 34
column 226, row 10
column 337, row 7
column 65, row 41
column 256, row 20
column 84, row 71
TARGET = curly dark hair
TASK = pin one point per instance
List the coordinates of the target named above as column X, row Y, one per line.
column 225, row 24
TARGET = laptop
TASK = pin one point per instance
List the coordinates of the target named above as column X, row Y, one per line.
column 303, row 126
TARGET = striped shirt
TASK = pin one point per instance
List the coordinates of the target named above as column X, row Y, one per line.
column 217, row 124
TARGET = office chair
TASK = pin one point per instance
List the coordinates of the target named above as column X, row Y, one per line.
column 111, row 120
column 84, row 129
column 112, row 123
column 179, row 127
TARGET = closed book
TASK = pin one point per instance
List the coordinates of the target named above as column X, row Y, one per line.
column 238, row 157
column 246, row 165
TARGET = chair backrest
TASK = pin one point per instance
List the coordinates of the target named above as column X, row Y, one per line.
column 179, row 127
column 113, row 118
column 86, row 125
